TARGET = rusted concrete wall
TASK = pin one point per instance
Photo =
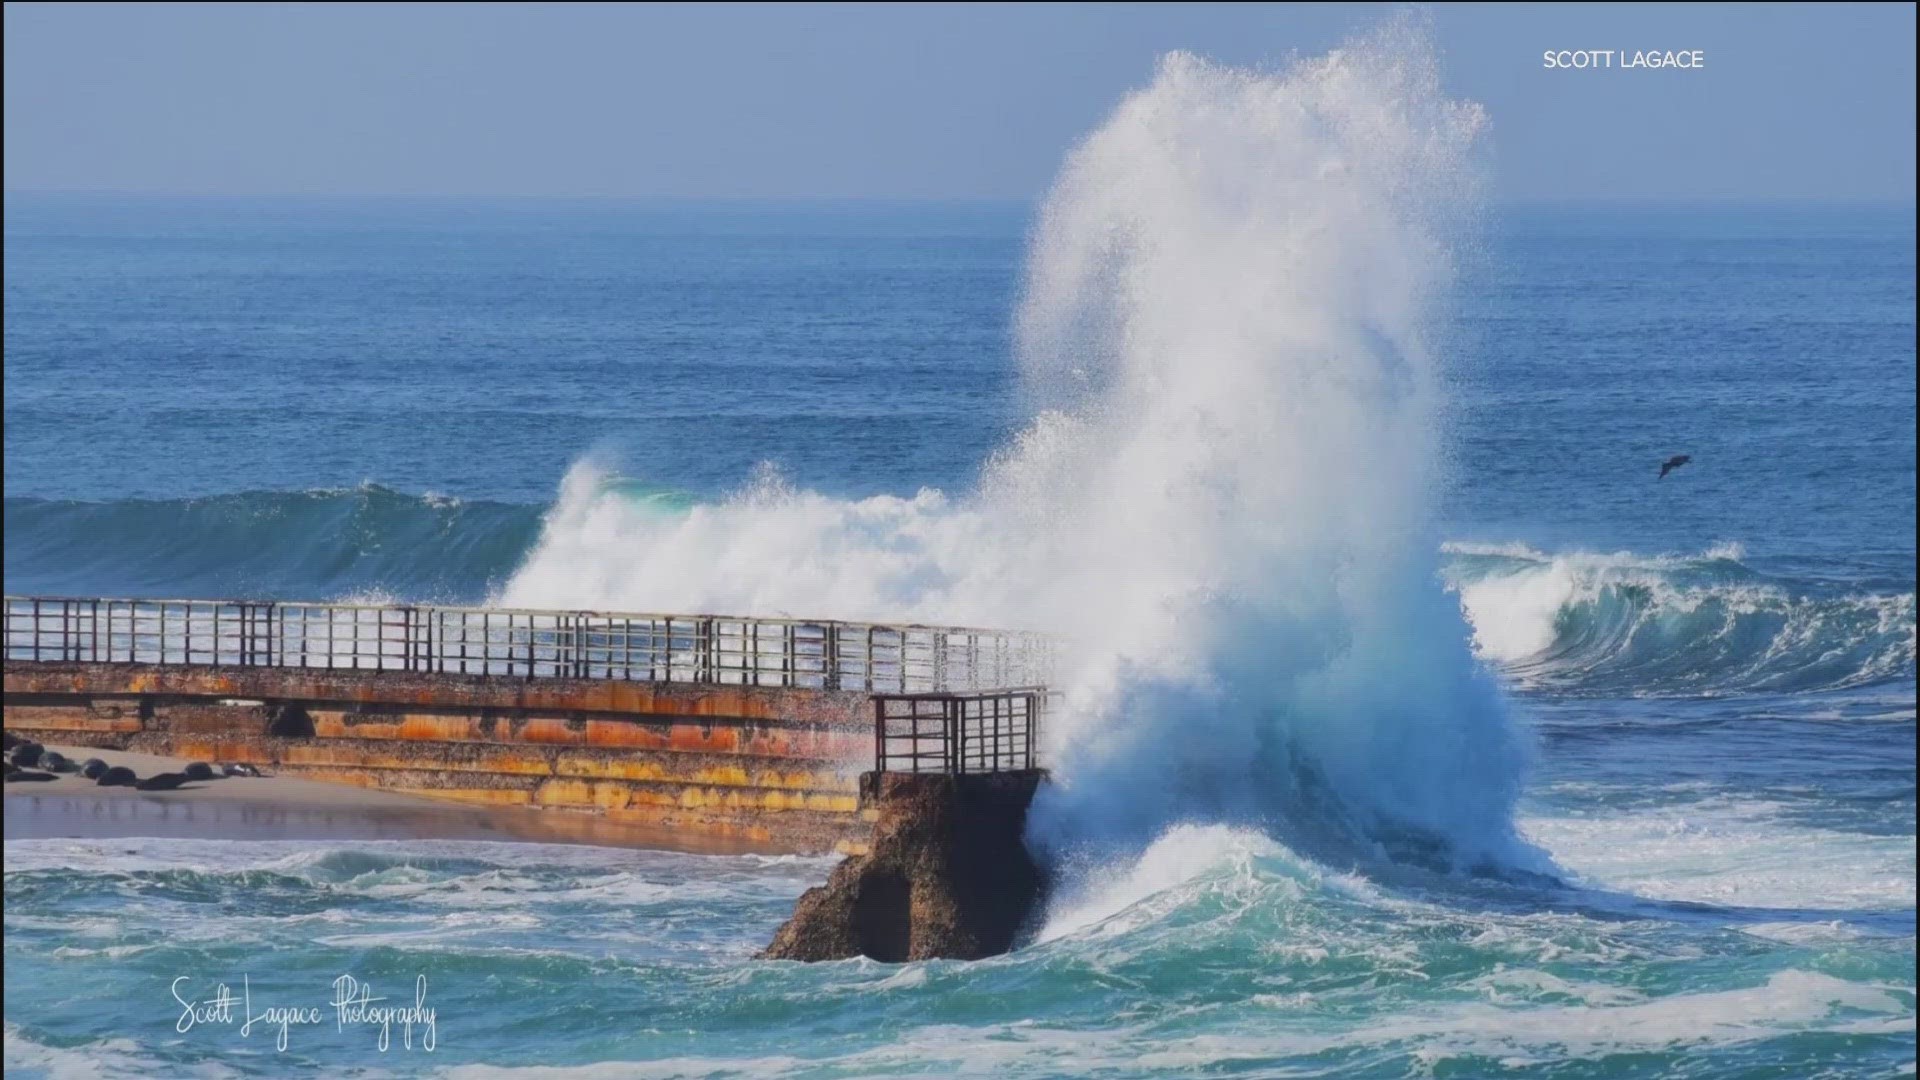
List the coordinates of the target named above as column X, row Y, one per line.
column 777, row 766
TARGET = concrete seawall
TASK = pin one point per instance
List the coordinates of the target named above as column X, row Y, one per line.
column 775, row 766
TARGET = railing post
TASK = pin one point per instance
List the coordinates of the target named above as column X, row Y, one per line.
column 830, row 658
column 1036, row 705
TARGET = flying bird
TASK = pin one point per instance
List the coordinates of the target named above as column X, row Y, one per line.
column 1673, row 463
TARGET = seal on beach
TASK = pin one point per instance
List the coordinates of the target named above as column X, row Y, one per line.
column 118, row 776
column 199, row 770
column 165, row 781
column 240, row 769
column 1673, row 463
column 15, row 776
column 27, row 754
column 92, row 768
column 57, row 763
column 10, row 740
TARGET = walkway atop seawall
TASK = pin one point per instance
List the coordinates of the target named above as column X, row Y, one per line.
column 723, row 650
column 750, row 728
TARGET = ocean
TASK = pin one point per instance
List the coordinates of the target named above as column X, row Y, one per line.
column 1660, row 731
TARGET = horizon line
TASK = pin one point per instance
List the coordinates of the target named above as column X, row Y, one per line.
column 1515, row 200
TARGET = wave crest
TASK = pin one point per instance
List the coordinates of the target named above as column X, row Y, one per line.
column 1705, row 624
column 366, row 540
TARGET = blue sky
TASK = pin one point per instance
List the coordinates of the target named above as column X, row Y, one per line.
column 924, row 101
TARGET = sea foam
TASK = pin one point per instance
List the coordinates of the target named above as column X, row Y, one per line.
column 1222, row 500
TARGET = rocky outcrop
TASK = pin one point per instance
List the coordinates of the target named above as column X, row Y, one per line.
column 947, row 875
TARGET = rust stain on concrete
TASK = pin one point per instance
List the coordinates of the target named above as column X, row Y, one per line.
column 773, row 765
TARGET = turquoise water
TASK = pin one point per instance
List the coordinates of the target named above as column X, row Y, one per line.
column 1712, row 675
column 1223, row 955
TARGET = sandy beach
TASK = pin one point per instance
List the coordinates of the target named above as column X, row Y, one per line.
column 284, row 808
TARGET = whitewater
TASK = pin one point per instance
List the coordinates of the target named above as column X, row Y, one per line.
column 1223, row 503
column 1410, row 728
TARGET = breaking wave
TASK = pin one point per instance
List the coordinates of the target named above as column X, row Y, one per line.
column 1222, row 501
column 1625, row 624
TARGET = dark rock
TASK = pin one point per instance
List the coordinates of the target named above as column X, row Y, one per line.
column 17, row 776
column 27, row 754
column 165, row 781
column 290, row 721
column 199, row 770
column 948, row 875
column 92, row 768
column 117, row 776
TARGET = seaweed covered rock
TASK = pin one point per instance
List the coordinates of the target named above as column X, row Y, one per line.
column 947, row 875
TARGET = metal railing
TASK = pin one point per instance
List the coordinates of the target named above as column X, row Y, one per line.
column 990, row 731
column 713, row 649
